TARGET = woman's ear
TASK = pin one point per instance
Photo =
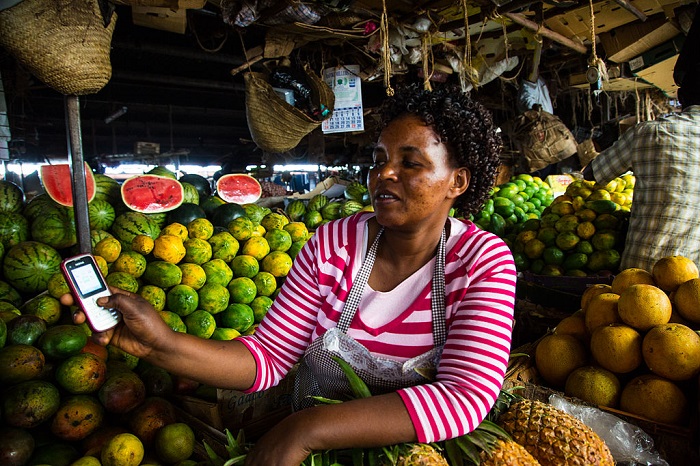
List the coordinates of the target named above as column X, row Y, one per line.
column 460, row 182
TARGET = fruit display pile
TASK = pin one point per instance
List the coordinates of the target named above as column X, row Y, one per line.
column 581, row 233
column 320, row 209
column 633, row 345
column 209, row 267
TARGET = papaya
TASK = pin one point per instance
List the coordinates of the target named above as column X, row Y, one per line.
column 77, row 417
column 25, row 329
column 62, row 341
column 20, row 363
column 30, row 403
column 602, row 206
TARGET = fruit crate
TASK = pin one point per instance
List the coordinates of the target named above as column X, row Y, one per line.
column 678, row 445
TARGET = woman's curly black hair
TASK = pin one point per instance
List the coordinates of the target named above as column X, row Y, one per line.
column 464, row 125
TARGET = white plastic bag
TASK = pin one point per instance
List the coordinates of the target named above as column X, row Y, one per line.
column 627, row 442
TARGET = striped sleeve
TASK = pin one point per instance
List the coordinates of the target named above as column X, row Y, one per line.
column 480, row 286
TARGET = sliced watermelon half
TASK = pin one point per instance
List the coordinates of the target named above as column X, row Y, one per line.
column 152, row 194
column 57, row 182
column 238, row 188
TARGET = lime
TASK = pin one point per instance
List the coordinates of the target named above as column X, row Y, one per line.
column 552, row 270
column 242, row 290
column 265, row 283
column 260, row 306
column 521, row 261
column 182, row 299
column 238, row 316
column 245, row 266
column 200, row 324
column 279, row 240
column 536, row 266
column 576, row 260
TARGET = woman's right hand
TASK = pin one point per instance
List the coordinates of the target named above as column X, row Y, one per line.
column 141, row 329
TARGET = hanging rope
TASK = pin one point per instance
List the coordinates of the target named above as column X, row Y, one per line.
column 594, row 60
column 467, row 73
column 426, row 54
column 386, row 50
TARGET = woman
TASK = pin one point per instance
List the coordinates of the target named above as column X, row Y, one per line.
column 404, row 291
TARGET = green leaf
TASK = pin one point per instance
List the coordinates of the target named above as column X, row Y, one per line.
column 213, row 457
column 469, row 449
column 236, row 460
column 454, row 453
column 359, row 387
column 494, row 429
column 324, row 400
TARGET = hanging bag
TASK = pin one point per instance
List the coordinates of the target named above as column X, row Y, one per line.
column 64, row 43
column 276, row 126
column 542, row 138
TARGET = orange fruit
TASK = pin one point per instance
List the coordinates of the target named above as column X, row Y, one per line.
column 617, row 348
column 593, row 290
column 169, row 248
column 143, row 244
column 672, row 271
column 108, row 248
column 200, row 228
column 122, row 450
column 173, row 321
column 256, row 246
column 174, row 442
column 672, row 351
column 278, row 263
column 631, row 276
column 557, row 356
column 242, row 290
column 102, row 265
column 643, row 306
column 279, row 240
column 130, row 262
column 154, row 295
column 57, row 285
column 200, row 324
column 224, row 334
column 241, row 228
column 197, row 251
column 193, row 275
column 176, row 229
column 687, row 300
column 595, row 385
column 218, row 272
column 574, row 325
column 655, row 398
column 224, row 246
column 602, row 310
column 244, row 265
column 274, row 220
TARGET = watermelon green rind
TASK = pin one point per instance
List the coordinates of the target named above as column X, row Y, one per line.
column 57, row 182
column 152, row 193
column 162, row 171
column 129, row 224
column 55, row 228
column 238, row 188
column 107, row 189
column 29, row 265
column 191, row 194
column 225, row 214
column 14, row 228
column 101, row 214
column 11, row 197
column 185, row 214
column 198, row 181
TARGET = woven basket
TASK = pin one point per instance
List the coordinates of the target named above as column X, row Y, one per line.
column 276, row 126
column 64, row 43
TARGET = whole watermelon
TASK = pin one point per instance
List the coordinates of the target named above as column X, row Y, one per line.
column 56, row 227
column 296, row 210
column 198, row 181
column 14, row 228
column 29, row 265
column 357, row 192
column 107, row 189
column 317, row 202
column 11, row 197
column 225, row 214
column 101, row 214
column 331, row 211
column 191, row 193
column 185, row 213
column 350, row 207
column 37, row 205
column 161, row 171
column 129, row 224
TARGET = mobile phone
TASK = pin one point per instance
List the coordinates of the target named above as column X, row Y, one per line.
column 87, row 284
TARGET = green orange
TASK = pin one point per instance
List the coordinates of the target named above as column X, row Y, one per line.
column 278, row 263
column 260, row 306
column 200, row 228
column 197, row 251
column 238, row 316
column 130, row 262
column 173, row 321
column 193, row 275
column 176, row 229
column 200, row 324
column 182, row 300
column 256, row 246
column 154, row 295
column 266, row 283
column 241, row 228
column 224, row 246
column 224, row 334
column 279, row 240
column 297, row 231
column 242, row 290
column 213, row 298
column 218, row 272
column 245, row 265
column 122, row 280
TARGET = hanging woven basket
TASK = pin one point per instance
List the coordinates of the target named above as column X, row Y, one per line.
column 276, row 126
column 64, row 43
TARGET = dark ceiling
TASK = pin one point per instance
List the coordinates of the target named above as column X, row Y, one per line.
column 177, row 90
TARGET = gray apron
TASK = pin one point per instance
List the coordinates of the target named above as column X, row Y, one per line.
column 319, row 375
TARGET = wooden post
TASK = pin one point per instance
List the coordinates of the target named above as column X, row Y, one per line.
column 75, row 155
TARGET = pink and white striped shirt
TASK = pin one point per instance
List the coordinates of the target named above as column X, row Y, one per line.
column 479, row 297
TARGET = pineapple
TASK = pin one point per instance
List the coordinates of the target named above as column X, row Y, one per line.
column 554, row 437
column 508, row 453
column 418, row 454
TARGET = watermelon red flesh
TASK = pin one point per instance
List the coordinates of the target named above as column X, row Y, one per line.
column 56, row 180
column 152, row 193
column 238, row 188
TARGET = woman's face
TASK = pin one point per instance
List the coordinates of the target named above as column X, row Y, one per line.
column 413, row 179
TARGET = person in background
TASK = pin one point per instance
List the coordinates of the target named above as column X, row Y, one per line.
column 664, row 156
column 399, row 292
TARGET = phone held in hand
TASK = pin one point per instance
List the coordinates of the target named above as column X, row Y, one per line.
column 87, row 284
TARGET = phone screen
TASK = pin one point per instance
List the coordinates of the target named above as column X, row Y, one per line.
column 87, row 278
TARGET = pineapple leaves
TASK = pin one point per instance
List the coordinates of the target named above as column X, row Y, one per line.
column 454, row 453
column 358, row 386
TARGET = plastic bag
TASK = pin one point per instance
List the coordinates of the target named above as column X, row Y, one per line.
column 627, row 442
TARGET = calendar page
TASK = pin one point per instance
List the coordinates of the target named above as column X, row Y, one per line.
column 347, row 87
